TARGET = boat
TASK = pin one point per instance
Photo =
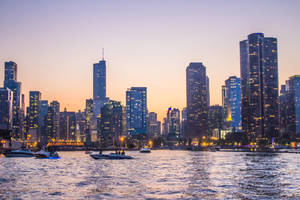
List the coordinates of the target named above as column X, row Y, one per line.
column 46, row 154
column 19, row 153
column 111, row 156
column 145, row 150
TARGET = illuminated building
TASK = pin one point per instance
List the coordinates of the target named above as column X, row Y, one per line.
column 67, row 125
column 99, row 86
column 33, row 116
column 216, row 119
column 290, row 108
column 111, row 123
column 6, row 99
column 136, row 111
column 232, row 103
column 197, row 105
column 34, row 102
column 259, row 86
column 10, row 81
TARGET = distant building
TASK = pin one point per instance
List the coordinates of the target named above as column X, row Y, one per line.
column 10, row 81
column 290, row 108
column 136, row 111
column 33, row 123
column 259, row 85
column 67, row 125
column 153, row 125
column 183, row 122
column 43, row 111
column 99, row 86
column 197, row 105
column 232, row 104
column 111, row 126
column 6, row 99
column 216, row 120
column 173, row 124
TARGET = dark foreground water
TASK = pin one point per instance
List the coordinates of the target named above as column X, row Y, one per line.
column 158, row 175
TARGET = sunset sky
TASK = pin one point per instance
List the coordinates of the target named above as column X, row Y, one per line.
column 147, row 44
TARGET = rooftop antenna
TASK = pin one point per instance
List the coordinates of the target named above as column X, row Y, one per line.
column 102, row 53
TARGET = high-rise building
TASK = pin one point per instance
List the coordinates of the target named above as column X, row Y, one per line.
column 291, row 108
column 153, row 125
column 197, row 105
column 207, row 90
column 33, row 133
column 136, row 111
column 34, row 102
column 173, row 124
column 6, row 99
column 216, row 120
column 232, row 103
column 99, row 86
column 10, row 81
column 43, row 111
column 67, row 125
column 259, row 85
column 110, row 123
column 183, row 122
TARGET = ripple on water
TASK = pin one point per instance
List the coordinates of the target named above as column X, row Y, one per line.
column 159, row 175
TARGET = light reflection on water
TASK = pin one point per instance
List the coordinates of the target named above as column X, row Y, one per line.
column 161, row 174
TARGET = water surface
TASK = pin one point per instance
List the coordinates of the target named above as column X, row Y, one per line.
column 162, row 174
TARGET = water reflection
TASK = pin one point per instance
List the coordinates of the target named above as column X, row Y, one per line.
column 159, row 175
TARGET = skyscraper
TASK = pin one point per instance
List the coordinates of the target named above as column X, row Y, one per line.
column 10, row 81
column 99, row 86
column 216, row 119
column 43, row 111
column 197, row 105
column 33, row 116
column 292, row 108
column 136, row 111
column 111, row 126
column 259, row 85
column 34, row 102
column 173, row 124
column 232, row 103
column 6, row 98
column 67, row 125
column 153, row 125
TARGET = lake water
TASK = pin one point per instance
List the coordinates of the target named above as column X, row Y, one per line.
column 162, row 174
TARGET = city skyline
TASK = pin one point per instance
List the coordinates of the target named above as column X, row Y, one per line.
column 57, row 63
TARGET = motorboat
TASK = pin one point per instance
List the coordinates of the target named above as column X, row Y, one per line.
column 46, row 154
column 145, row 150
column 111, row 156
column 19, row 153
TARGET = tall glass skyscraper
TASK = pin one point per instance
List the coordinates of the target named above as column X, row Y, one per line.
column 293, row 107
column 99, row 86
column 10, row 81
column 197, row 100
column 232, row 103
column 259, row 85
column 136, row 110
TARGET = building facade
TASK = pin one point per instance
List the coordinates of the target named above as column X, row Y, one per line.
column 136, row 111
column 259, row 86
column 232, row 104
column 197, row 105
column 6, row 109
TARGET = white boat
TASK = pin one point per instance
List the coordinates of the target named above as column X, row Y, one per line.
column 46, row 154
column 145, row 150
column 111, row 156
column 19, row 153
